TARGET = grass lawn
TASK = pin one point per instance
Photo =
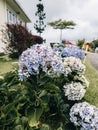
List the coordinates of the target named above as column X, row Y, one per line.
column 6, row 64
column 92, row 92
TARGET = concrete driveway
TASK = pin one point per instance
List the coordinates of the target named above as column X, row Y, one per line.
column 93, row 58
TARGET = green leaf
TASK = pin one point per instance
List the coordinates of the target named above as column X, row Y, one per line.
column 19, row 127
column 42, row 93
column 45, row 127
column 17, row 121
column 34, row 116
column 24, row 121
column 8, row 108
column 60, row 128
column 52, row 87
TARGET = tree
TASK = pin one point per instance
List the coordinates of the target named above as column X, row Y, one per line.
column 62, row 24
column 80, row 43
column 39, row 25
column 95, row 43
column 17, row 39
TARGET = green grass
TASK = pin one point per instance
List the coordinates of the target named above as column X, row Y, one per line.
column 92, row 92
column 6, row 64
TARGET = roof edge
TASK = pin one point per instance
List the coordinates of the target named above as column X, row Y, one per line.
column 22, row 9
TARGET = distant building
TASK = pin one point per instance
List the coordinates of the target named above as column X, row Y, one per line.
column 11, row 12
column 67, row 43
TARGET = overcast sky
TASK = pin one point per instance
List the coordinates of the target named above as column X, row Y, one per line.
column 82, row 12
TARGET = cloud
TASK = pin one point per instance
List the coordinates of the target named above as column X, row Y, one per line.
column 82, row 12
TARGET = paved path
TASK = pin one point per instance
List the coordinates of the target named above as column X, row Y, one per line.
column 93, row 58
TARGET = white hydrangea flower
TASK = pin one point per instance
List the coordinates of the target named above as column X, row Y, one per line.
column 83, row 80
column 74, row 91
column 73, row 64
column 85, row 116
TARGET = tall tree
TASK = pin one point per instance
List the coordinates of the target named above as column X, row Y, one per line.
column 62, row 24
column 39, row 25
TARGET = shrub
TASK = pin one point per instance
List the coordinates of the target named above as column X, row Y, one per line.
column 40, row 99
column 19, row 38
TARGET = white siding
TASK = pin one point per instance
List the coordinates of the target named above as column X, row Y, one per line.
column 3, row 20
column 2, row 12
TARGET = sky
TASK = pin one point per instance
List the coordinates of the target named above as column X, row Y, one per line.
column 82, row 12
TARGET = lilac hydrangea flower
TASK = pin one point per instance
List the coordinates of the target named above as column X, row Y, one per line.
column 40, row 56
column 73, row 51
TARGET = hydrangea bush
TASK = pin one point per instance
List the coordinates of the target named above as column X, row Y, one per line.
column 48, row 87
column 54, row 78
column 85, row 116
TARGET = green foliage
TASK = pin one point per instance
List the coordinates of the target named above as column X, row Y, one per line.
column 39, row 25
column 80, row 43
column 37, row 104
column 95, row 43
column 62, row 24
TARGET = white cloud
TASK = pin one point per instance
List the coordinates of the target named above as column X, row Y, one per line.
column 82, row 12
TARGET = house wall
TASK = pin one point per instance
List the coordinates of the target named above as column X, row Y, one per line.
column 3, row 20
column 15, row 16
column 2, row 12
column 17, row 12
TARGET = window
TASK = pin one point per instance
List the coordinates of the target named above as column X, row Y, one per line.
column 21, row 22
column 11, row 17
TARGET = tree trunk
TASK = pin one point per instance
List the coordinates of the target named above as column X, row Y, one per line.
column 60, row 35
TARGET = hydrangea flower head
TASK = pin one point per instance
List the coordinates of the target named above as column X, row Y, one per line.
column 84, row 115
column 74, row 91
column 73, row 51
column 73, row 64
column 40, row 56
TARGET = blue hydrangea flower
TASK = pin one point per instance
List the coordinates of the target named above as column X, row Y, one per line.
column 72, row 51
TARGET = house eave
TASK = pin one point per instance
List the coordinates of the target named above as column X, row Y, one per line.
column 19, row 9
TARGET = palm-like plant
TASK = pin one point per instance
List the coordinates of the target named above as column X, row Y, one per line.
column 62, row 24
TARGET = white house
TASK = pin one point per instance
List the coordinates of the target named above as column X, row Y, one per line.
column 11, row 12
